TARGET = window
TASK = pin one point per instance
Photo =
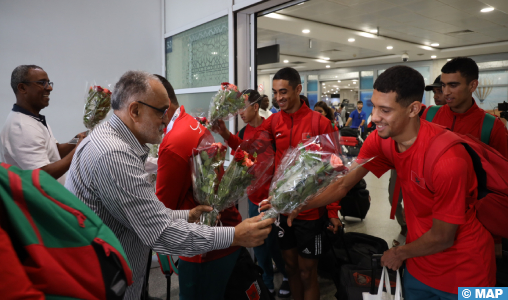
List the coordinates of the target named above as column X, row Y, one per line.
column 199, row 57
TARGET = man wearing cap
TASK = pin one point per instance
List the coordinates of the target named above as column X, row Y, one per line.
column 438, row 91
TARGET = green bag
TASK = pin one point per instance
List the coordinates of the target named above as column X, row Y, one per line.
column 65, row 248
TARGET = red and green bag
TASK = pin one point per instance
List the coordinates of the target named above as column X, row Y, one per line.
column 66, row 250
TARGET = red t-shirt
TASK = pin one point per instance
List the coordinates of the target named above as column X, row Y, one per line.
column 290, row 130
column 471, row 122
column 174, row 183
column 471, row 260
column 261, row 193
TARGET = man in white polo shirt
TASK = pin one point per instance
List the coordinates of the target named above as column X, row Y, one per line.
column 26, row 139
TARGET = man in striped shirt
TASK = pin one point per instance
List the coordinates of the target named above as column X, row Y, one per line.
column 107, row 173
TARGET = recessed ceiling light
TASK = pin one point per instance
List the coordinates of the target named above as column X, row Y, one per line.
column 336, row 76
column 324, row 83
column 487, row 9
column 348, row 84
column 448, row 59
column 389, row 47
column 306, row 31
column 286, row 61
column 354, row 82
column 326, row 58
column 427, row 48
column 351, row 40
column 338, row 81
column 434, row 44
column 327, row 66
column 433, row 56
column 373, row 31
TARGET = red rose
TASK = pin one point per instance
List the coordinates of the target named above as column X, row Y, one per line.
column 99, row 88
column 225, row 83
column 239, row 156
column 312, row 147
column 212, row 150
column 252, row 157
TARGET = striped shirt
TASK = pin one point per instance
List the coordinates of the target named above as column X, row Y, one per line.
column 107, row 174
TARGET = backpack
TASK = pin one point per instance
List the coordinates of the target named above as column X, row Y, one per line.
column 65, row 248
column 490, row 169
column 488, row 122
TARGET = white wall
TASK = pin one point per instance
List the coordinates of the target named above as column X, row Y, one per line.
column 77, row 41
column 182, row 13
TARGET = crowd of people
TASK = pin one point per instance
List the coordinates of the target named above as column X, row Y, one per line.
column 446, row 246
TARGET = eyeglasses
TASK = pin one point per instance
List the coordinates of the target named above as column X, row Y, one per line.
column 42, row 83
column 163, row 111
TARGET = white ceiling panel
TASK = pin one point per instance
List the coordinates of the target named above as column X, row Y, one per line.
column 408, row 25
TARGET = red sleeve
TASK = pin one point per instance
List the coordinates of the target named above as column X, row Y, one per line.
column 372, row 148
column 499, row 138
column 234, row 141
column 15, row 282
column 453, row 181
column 173, row 180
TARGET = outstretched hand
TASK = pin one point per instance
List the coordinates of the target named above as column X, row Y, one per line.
column 252, row 232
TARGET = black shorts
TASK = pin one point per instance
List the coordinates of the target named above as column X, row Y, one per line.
column 307, row 236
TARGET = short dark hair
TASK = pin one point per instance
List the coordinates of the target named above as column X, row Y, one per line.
column 342, row 106
column 254, row 96
column 20, row 74
column 405, row 81
column 328, row 110
column 465, row 65
column 289, row 74
column 359, row 101
column 305, row 99
column 169, row 89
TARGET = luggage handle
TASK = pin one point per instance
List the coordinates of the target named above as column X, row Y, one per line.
column 375, row 264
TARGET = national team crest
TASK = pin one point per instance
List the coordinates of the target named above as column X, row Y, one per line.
column 420, row 181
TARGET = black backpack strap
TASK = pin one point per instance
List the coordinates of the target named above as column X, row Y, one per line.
column 242, row 132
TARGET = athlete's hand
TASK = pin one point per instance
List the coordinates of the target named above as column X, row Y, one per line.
column 392, row 259
column 335, row 224
column 295, row 214
column 220, row 128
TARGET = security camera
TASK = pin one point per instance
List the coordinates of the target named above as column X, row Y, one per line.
column 405, row 57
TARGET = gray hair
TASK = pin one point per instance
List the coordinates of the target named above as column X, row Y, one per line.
column 20, row 74
column 132, row 84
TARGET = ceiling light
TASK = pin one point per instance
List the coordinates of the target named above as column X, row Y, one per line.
column 336, row 76
column 487, row 9
column 354, row 82
column 448, row 59
column 327, row 66
column 433, row 56
column 286, row 61
column 306, row 31
column 338, row 81
column 434, row 44
column 351, row 40
column 348, row 84
column 426, row 48
column 324, row 83
column 389, row 47
column 373, row 31
column 326, row 58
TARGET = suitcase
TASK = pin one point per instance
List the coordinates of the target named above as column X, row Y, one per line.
column 348, row 131
column 355, row 204
column 350, row 141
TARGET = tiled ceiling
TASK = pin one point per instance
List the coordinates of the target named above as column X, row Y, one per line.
column 420, row 21
column 412, row 23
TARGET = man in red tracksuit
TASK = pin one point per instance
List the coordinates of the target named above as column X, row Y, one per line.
column 198, row 276
column 447, row 247
column 289, row 127
column 459, row 79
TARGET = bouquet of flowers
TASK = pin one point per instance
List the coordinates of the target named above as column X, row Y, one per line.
column 307, row 170
column 206, row 168
column 225, row 104
column 245, row 174
column 97, row 106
